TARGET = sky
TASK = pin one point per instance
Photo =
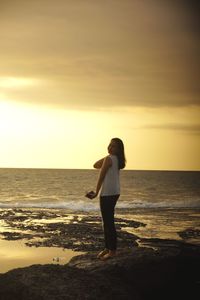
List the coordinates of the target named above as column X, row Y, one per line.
column 74, row 74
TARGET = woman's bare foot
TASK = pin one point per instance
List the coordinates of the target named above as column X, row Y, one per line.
column 108, row 255
column 102, row 253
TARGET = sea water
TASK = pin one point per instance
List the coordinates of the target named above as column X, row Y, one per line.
column 52, row 188
column 167, row 202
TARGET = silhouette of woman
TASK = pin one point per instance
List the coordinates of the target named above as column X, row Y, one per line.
column 109, row 184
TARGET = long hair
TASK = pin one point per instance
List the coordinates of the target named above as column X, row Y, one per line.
column 120, row 153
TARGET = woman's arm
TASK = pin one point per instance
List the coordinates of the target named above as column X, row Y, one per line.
column 98, row 164
column 107, row 163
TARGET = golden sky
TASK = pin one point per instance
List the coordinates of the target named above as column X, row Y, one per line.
column 74, row 74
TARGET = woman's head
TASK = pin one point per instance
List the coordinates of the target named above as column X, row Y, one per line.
column 116, row 147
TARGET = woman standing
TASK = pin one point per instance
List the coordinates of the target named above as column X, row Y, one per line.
column 109, row 184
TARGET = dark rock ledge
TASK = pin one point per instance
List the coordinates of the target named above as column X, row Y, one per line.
column 137, row 273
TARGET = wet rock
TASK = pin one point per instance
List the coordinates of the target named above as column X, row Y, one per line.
column 189, row 233
column 137, row 273
column 163, row 269
column 12, row 236
column 83, row 233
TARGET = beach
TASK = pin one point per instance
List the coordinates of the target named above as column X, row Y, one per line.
column 50, row 235
column 60, row 245
column 68, row 234
column 99, row 130
column 30, row 236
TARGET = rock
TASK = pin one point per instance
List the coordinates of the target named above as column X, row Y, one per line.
column 137, row 273
column 189, row 233
column 80, row 234
column 159, row 269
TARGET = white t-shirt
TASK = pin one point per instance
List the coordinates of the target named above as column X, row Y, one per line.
column 111, row 184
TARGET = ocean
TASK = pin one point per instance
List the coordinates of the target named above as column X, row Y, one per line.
column 39, row 206
column 65, row 188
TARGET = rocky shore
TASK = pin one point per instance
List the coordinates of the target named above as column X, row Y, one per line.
column 143, row 269
column 138, row 273
column 48, row 228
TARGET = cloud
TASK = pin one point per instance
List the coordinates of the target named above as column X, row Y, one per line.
column 15, row 83
column 102, row 54
column 191, row 128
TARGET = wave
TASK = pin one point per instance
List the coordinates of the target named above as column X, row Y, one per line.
column 80, row 205
column 162, row 204
column 69, row 205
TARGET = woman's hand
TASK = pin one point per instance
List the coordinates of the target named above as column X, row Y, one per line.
column 94, row 195
column 98, row 164
column 91, row 195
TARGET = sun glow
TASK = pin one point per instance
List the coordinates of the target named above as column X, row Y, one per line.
column 49, row 137
column 34, row 137
column 16, row 82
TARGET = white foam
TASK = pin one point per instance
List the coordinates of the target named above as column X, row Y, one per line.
column 93, row 205
column 161, row 204
column 78, row 205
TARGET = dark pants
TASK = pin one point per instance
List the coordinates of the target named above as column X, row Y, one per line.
column 107, row 205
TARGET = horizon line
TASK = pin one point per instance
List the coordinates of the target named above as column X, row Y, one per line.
column 125, row 169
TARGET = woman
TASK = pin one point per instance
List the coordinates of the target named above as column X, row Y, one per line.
column 109, row 184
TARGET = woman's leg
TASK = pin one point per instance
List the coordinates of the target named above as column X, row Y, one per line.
column 107, row 205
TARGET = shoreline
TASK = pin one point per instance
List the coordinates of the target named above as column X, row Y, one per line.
column 16, row 254
column 57, row 231
column 170, row 272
